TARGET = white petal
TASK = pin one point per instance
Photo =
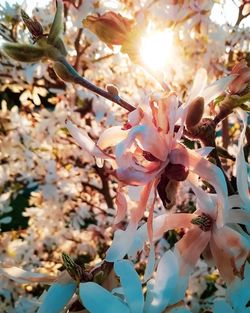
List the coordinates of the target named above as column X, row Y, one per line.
column 96, row 299
column 84, row 141
column 199, row 84
column 21, row 276
column 217, row 88
column 57, row 297
column 131, row 284
column 111, row 137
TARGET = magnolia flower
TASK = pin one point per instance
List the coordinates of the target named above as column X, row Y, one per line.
column 228, row 244
column 163, row 291
column 147, row 152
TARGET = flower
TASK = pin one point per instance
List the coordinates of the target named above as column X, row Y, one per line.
column 148, row 152
column 112, row 28
column 163, row 291
column 228, row 244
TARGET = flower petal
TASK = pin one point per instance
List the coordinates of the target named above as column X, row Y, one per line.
column 190, row 247
column 131, row 284
column 161, row 224
column 21, row 276
column 241, row 166
column 124, row 239
column 96, row 299
column 206, row 170
column 199, row 84
column 111, row 137
column 85, row 142
column 121, row 204
column 58, row 296
column 163, row 290
column 217, row 88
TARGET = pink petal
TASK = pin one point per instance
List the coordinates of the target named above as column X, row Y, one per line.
column 222, row 260
column 124, row 239
column 230, row 251
column 161, row 224
column 241, row 165
column 121, row 204
column 111, row 137
column 191, row 246
column 207, row 171
column 130, row 176
column 23, row 277
column 85, row 142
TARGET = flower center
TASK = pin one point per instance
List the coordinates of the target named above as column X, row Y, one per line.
column 203, row 221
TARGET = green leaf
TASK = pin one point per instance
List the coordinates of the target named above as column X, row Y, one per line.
column 23, row 52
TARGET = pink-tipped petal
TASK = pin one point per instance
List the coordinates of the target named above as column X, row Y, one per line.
column 190, row 247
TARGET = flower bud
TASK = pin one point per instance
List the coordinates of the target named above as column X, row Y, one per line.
column 74, row 270
column 111, row 28
column 63, row 72
column 113, row 90
column 22, row 52
column 34, row 27
column 195, row 112
column 240, row 83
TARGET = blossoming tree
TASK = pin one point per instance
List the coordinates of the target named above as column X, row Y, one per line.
column 124, row 157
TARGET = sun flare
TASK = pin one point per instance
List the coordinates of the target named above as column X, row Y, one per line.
column 156, row 49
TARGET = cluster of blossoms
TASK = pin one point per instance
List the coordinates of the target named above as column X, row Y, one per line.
column 148, row 154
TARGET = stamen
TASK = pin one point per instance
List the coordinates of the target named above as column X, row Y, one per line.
column 203, row 221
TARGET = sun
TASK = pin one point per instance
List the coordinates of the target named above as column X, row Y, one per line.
column 156, row 49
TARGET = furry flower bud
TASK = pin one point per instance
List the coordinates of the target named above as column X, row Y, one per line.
column 22, row 52
column 34, row 27
column 111, row 28
column 63, row 72
column 113, row 90
column 240, row 83
column 195, row 112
